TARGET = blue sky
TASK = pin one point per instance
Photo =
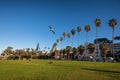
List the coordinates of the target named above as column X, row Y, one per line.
column 24, row 23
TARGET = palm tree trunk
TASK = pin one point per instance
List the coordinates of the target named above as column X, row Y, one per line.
column 67, row 42
column 97, row 41
column 86, row 37
column 72, row 41
column 96, row 34
column 113, row 43
column 86, row 41
column 78, row 39
column 86, row 45
column 64, row 43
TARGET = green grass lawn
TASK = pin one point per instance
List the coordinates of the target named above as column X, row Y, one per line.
column 59, row 70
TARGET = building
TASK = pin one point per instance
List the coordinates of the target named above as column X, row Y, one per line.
column 115, row 47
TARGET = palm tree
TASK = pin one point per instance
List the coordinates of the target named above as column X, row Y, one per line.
column 68, row 50
column 79, row 29
column 97, row 23
column 75, row 53
column 73, row 33
column 91, row 48
column 112, row 23
column 104, row 49
column 87, row 29
column 68, row 35
column 81, row 49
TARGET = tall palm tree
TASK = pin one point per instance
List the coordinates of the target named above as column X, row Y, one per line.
column 97, row 23
column 104, row 49
column 68, row 35
column 79, row 29
column 87, row 29
column 73, row 33
column 112, row 23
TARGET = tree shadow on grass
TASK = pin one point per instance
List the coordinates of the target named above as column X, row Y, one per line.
column 100, row 70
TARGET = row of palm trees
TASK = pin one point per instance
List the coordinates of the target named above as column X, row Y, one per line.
column 112, row 23
column 104, row 48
